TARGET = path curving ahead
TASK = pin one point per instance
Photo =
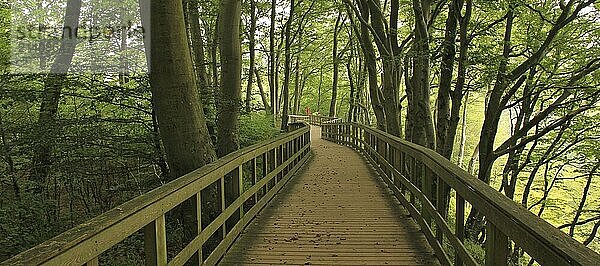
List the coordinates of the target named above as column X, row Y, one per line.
column 334, row 211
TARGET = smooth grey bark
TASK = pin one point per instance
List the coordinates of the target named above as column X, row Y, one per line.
column 229, row 100
column 177, row 105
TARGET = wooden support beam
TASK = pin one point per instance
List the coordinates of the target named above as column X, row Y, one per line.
column 496, row 246
column 155, row 242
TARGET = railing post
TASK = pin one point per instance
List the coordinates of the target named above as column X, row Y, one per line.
column 272, row 165
column 460, row 225
column 222, row 181
column 240, row 188
column 155, row 242
column 427, row 180
column 440, row 202
column 413, row 177
column 265, row 171
column 254, row 177
column 280, row 162
column 196, row 207
column 496, row 246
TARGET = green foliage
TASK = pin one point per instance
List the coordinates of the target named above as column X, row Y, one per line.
column 255, row 128
column 25, row 223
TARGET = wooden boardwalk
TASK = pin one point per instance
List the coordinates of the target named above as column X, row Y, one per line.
column 335, row 211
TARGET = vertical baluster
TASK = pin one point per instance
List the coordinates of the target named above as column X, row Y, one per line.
column 401, row 169
column 290, row 153
column 265, row 171
column 349, row 135
column 460, row 224
column 388, row 159
column 496, row 246
column 284, row 148
column 240, row 188
column 273, row 162
column 223, row 228
column 396, row 165
column 427, row 184
column 155, row 242
column 413, row 177
column 254, row 177
column 280, row 154
column 440, row 203
column 196, row 202
column 355, row 135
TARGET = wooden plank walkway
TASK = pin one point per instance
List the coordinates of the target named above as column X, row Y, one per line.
column 335, row 211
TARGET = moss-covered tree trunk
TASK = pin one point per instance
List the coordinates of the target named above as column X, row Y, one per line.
column 178, row 108
column 422, row 123
column 229, row 99
column 443, row 134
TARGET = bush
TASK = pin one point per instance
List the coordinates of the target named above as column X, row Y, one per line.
column 255, row 128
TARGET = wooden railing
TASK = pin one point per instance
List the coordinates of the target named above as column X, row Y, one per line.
column 411, row 171
column 316, row 120
column 269, row 165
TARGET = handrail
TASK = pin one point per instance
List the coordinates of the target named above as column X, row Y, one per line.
column 280, row 158
column 411, row 171
column 316, row 120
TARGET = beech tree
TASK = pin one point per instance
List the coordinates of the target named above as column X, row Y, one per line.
column 229, row 101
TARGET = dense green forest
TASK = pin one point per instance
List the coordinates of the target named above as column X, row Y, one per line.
column 102, row 101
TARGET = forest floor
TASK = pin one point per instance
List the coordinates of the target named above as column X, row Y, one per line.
column 334, row 211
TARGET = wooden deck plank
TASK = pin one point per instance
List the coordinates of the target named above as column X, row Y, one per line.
column 335, row 211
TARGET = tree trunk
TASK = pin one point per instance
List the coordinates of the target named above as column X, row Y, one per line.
column 199, row 60
column 178, row 108
column 47, row 126
column 370, row 61
column 263, row 95
column 463, row 133
column 336, row 66
column 231, row 77
column 475, row 222
column 422, row 132
column 287, row 69
column 460, row 81
column 215, row 75
column 182, row 125
column 391, row 71
column 584, row 196
column 252, row 54
column 352, row 99
column 297, row 87
column 272, row 70
column 443, row 147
